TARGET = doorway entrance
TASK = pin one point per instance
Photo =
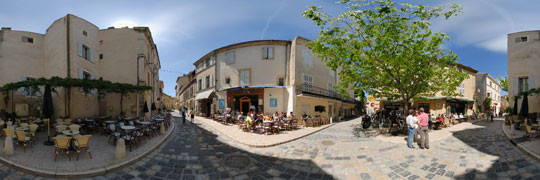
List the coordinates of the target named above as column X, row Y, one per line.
column 245, row 104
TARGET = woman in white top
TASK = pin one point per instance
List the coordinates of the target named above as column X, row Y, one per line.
column 412, row 124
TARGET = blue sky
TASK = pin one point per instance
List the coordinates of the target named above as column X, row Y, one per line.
column 186, row 30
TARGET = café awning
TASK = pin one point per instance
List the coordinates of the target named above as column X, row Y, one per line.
column 204, row 95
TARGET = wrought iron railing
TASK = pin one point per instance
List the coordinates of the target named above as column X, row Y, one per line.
column 317, row 91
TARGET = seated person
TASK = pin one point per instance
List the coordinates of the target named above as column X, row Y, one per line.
column 305, row 116
column 267, row 117
column 249, row 121
column 461, row 116
column 439, row 122
column 291, row 116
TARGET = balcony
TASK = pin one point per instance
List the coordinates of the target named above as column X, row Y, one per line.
column 320, row 92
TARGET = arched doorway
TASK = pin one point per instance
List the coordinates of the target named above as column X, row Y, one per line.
column 245, row 104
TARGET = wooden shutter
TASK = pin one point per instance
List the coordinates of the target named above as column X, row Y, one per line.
column 531, row 82
column 92, row 54
column 516, row 86
column 80, row 48
column 265, row 52
column 270, row 52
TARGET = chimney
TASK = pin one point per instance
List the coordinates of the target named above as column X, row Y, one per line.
column 6, row 28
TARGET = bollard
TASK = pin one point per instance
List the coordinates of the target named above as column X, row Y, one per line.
column 120, row 150
column 162, row 129
column 331, row 120
column 512, row 129
column 8, row 146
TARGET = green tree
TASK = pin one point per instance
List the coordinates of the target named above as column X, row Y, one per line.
column 504, row 82
column 387, row 49
column 487, row 104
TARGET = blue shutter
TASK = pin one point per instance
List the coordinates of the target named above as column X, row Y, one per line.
column 531, row 82
column 92, row 54
column 516, row 86
column 23, row 90
column 80, row 48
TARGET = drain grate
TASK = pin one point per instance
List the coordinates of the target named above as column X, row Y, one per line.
column 328, row 143
column 237, row 161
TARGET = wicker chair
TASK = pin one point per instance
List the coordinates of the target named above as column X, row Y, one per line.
column 82, row 143
column 33, row 129
column 22, row 139
column 61, row 144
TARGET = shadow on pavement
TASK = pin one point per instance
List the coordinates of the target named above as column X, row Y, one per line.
column 489, row 139
column 195, row 153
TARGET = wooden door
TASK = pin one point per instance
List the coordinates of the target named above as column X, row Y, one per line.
column 245, row 104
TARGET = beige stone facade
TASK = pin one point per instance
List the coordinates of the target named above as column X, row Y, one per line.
column 487, row 86
column 265, row 76
column 185, row 90
column 73, row 47
column 443, row 105
column 524, row 66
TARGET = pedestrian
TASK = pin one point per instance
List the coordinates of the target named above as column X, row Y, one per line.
column 183, row 115
column 192, row 116
column 423, row 127
column 412, row 125
column 492, row 114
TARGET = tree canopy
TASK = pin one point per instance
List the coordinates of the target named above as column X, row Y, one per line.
column 504, row 82
column 388, row 49
column 86, row 84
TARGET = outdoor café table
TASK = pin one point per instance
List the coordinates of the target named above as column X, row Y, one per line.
column 144, row 123
column 127, row 127
column 21, row 129
column 109, row 122
column 70, row 132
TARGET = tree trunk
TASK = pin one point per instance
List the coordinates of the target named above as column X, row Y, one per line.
column 121, row 108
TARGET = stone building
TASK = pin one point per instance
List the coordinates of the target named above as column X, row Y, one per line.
column 73, row 47
column 487, row 86
column 524, row 66
column 268, row 76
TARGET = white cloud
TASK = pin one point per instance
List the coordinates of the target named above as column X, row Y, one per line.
column 485, row 24
column 270, row 18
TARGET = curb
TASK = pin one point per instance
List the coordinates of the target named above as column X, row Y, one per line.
column 86, row 173
column 520, row 147
column 270, row 145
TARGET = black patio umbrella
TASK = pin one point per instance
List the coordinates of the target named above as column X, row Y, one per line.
column 145, row 108
column 48, row 112
column 525, row 107
column 515, row 110
column 153, row 106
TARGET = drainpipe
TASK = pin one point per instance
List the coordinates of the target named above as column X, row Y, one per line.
column 138, row 79
column 67, row 92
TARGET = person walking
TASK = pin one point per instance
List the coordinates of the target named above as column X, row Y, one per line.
column 183, row 115
column 412, row 125
column 423, row 127
column 192, row 116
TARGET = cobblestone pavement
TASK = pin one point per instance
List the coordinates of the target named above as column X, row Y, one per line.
column 192, row 152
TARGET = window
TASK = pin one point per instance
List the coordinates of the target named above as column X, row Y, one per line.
column 308, row 82
column 84, row 33
column 27, row 39
column 200, row 66
column 100, row 56
column 212, row 60
column 307, row 57
column 281, row 81
column 85, row 52
column 523, row 84
column 230, row 57
column 489, row 95
column 521, row 39
column 273, row 102
column 462, row 89
column 227, row 80
column 200, row 84
column 83, row 74
column 207, row 84
column 245, row 78
column 332, row 72
column 331, row 87
column 207, row 63
column 30, row 91
column 490, row 84
column 268, row 53
column 320, row 108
